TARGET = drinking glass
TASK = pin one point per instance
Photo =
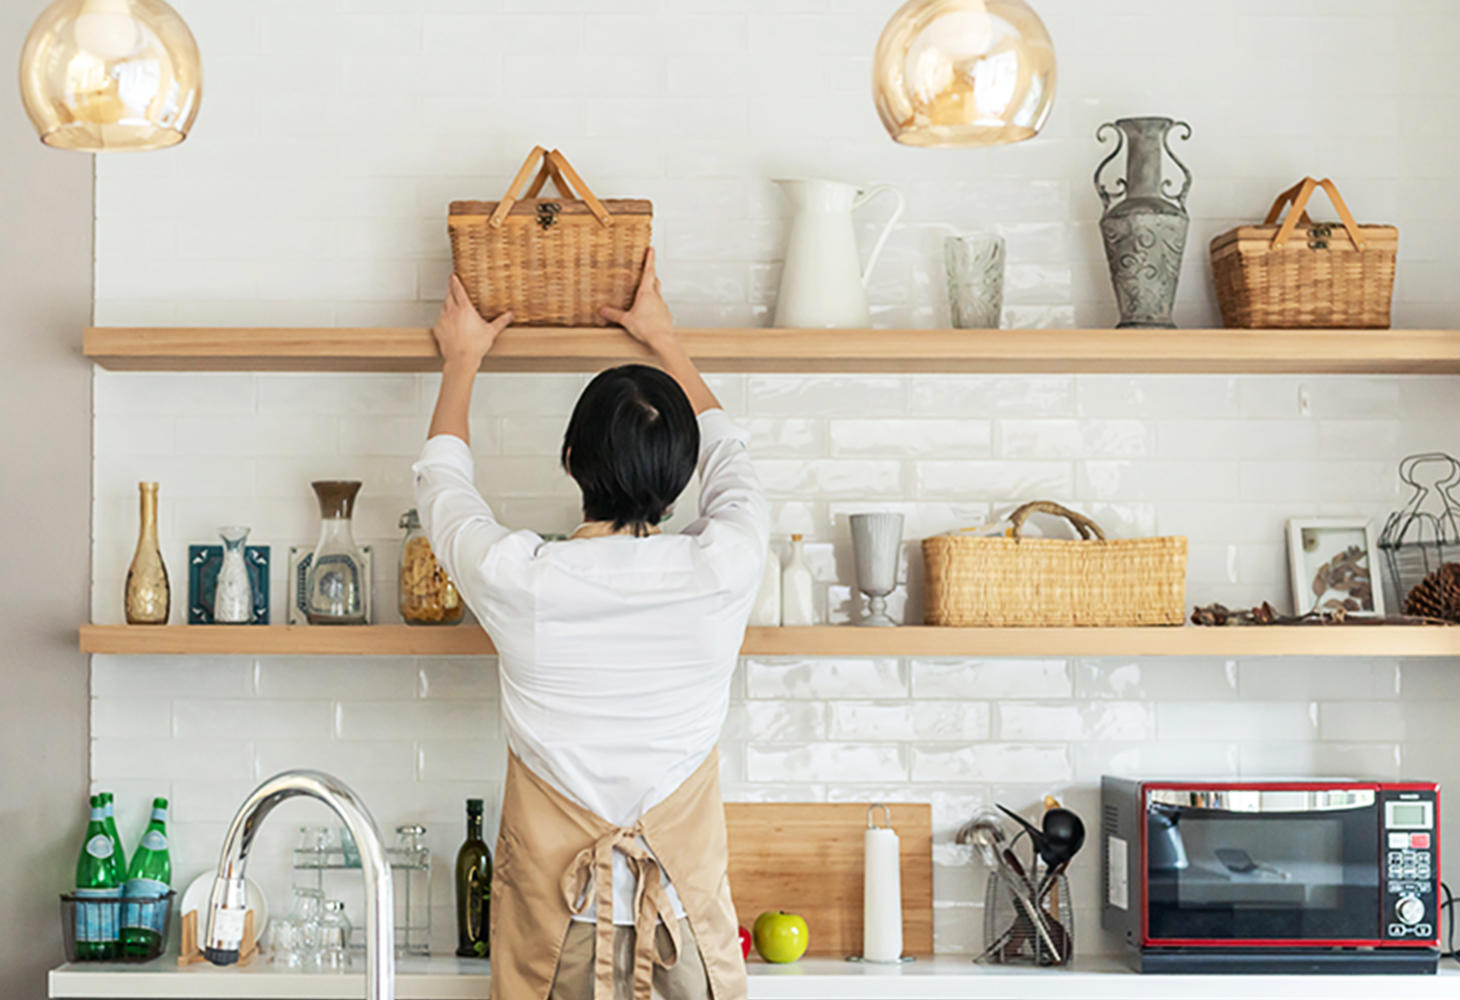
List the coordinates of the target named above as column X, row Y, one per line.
column 285, row 942
column 308, row 912
column 975, row 265
column 314, row 840
column 334, row 936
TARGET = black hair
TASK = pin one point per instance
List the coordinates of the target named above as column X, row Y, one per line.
column 635, row 443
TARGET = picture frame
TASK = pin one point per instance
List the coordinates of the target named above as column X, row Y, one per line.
column 1333, row 563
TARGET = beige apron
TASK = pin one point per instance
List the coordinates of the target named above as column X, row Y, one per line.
column 553, row 856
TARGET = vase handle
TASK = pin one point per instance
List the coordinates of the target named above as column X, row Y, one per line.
column 1186, row 185
column 1107, row 196
column 866, row 195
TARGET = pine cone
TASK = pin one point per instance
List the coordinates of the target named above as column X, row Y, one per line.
column 1437, row 595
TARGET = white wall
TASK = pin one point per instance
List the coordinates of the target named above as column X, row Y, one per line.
column 314, row 192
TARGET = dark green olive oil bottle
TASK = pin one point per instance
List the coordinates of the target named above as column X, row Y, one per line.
column 473, row 887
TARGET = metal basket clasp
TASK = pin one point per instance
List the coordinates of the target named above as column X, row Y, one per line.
column 547, row 214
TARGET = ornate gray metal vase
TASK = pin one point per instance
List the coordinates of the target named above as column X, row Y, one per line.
column 1145, row 231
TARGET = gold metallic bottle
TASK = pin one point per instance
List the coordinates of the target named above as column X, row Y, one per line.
column 148, row 595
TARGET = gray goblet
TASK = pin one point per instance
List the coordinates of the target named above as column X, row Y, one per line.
column 876, row 540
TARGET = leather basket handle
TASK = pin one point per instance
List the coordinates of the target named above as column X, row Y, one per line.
column 555, row 166
column 1088, row 529
column 1300, row 196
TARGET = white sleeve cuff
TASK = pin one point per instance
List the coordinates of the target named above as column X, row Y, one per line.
column 450, row 451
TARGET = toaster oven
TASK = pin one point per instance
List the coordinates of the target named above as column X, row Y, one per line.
column 1272, row 876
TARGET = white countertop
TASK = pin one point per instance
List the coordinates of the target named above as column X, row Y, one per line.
column 947, row 977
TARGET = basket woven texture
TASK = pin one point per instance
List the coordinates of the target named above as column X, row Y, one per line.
column 1050, row 581
column 552, row 261
column 1301, row 274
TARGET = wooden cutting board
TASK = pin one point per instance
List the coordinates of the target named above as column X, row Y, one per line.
column 807, row 858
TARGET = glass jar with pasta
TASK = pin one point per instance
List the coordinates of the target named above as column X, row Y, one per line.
column 427, row 595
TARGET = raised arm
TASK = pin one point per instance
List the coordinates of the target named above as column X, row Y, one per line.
column 648, row 321
column 463, row 338
column 457, row 519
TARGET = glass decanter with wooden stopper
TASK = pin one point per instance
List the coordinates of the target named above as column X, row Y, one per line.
column 335, row 585
column 148, row 594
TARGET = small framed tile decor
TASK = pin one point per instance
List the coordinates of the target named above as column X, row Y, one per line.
column 204, row 561
column 300, row 556
column 1334, row 564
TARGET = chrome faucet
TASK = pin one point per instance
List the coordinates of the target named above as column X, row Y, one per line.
column 227, row 906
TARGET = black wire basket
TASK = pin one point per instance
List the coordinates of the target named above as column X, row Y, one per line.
column 1425, row 534
column 1024, row 920
column 95, row 929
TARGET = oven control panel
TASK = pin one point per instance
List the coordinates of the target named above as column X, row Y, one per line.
column 1409, row 845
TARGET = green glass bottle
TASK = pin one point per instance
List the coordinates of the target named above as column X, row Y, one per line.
column 119, row 853
column 97, row 889
column 473, row 888
column 148, row 880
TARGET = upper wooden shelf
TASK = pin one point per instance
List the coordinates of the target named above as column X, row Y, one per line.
column 822, row 640
column 407, row 349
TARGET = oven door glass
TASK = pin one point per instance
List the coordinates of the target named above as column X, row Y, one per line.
column 1262, row 866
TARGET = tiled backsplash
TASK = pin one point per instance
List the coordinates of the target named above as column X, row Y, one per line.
column 1223, row 460
column 417, row 737
column 288, row 210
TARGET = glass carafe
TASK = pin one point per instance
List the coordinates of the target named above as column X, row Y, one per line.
column 233, row 592
column 335, row 587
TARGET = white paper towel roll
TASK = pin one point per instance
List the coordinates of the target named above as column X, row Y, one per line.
column 882, row 898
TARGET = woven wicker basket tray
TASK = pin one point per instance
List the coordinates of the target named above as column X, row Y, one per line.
column 1051, row 582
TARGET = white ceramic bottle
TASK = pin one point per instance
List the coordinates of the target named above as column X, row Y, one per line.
column 796, row 604
column 766, row 612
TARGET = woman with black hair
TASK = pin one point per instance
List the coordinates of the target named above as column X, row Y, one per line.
column 615, row 652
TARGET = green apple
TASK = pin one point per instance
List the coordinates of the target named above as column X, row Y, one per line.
column 780, row 936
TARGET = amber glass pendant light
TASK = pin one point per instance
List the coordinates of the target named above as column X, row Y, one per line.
column 108, row 75
column 964, row 73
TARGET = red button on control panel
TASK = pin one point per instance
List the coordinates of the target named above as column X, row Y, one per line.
column 1420, row 841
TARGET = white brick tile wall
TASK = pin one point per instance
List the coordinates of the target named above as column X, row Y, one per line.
column 695, row 104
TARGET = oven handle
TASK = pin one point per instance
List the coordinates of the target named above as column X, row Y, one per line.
column 1251, row 800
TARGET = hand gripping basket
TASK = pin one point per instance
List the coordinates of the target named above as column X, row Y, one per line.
column 1022, row 581
column 552, row 261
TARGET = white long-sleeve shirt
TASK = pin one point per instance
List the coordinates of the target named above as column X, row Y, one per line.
column 615, row 653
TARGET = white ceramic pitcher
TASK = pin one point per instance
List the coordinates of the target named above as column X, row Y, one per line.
column 824, row 283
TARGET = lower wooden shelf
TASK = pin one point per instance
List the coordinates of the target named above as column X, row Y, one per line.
column 821, row 640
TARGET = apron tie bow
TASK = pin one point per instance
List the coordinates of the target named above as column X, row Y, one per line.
column 593, row 866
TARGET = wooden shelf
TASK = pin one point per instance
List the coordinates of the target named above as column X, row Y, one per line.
column 408, row 349
column 824, row 640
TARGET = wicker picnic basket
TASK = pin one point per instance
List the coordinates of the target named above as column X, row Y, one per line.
column 1303, row 274
column 552, row 261
column 1014, row 580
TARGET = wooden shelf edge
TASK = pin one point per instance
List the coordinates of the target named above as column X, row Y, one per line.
column 408, row 349
column 824, row 640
